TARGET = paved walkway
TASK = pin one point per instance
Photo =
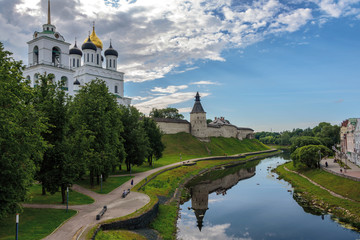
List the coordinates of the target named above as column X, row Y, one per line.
column 77, row 226
column 354, row 172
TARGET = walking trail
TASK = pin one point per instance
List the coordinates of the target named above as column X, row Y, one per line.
column 78, row 226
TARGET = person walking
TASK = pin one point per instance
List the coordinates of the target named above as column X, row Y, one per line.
column 132, row 182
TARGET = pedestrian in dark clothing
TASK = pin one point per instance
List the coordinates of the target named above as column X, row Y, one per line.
column 326, row 164
column 132, row 182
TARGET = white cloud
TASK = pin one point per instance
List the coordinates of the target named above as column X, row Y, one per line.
column 169, row 89
column 205, row 83
column 156, row 37
column 185, row 110
column 166, row 101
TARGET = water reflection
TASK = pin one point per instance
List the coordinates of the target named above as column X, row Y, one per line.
column 218, row 181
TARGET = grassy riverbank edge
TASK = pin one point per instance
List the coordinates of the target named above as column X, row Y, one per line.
column 165, row 222
column 347, row 212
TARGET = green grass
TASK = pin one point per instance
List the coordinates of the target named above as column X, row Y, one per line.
column 35, row 197
column 34, row 224
column 337, row 184
column 165, row 222
column 118, row 235
column 190, row 147
column 107, row 186
column 345, row 210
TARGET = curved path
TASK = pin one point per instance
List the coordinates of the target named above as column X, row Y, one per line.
column 77, row 226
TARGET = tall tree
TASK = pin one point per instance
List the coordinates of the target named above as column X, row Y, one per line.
column 156, row 147
column 136, row 143
column 58, row 169
column 172, row 113
column 310, row 155
column 96, row 126
column 20, row 134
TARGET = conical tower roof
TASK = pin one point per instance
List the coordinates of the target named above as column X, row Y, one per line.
column 197, row 108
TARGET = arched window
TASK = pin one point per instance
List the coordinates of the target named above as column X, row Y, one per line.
column 116, row 89
column 87, row 57
column 36, row 55
column 56, row 56
column 97, row 59
column 64, row 80
column 92, row 57
column 114, row 64
column 78, row 63
column 107, row 63
column 73, row 62
column 110, row 62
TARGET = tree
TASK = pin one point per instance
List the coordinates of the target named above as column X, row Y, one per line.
column 310, row 155
column 136, row 143
column 303, row 141
column 96, row 129
column 57, row 169
column 21, row 126
column 329, row 135
column 156, row 147
column 172, row 113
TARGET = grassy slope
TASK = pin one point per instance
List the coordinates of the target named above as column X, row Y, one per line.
column 346, row 210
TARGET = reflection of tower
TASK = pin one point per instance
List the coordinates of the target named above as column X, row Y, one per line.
column 199, row 203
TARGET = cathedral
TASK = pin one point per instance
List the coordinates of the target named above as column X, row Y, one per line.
column 49, row 53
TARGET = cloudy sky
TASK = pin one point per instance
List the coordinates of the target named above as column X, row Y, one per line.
column 265, row 64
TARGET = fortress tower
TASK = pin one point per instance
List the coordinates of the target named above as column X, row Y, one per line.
column 198, row 119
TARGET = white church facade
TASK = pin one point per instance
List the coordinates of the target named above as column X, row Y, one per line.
column 49, row 53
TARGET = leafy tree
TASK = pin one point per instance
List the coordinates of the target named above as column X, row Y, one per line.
column 136, row 143
column 330, row 135
column 156, row 147
column 20, row 134
column 96, row 127
column 208, row 121
column 57, row 169
column 172, row 113
column 303, row 141
column 310, row 155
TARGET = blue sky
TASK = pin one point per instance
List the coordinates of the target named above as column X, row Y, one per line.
column 266, row 64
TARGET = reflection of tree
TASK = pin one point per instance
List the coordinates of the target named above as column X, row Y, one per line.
column 215, row 181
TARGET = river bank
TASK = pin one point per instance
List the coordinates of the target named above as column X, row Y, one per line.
column 318, row 200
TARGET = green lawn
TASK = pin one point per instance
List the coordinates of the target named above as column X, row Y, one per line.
column 165, row 222
column 75, row 198
column 34, row 224
column 118, row 235
column 110, row 184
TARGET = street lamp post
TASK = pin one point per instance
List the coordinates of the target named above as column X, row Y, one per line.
column 101, row 183
column 67, row 199
column 17, row 226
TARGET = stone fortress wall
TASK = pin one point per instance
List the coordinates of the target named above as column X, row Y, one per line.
column 197, row 126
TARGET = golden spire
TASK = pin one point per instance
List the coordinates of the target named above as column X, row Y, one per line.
column 49, row 16
column 95, row 39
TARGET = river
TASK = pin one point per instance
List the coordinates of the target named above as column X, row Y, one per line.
column 249, row 202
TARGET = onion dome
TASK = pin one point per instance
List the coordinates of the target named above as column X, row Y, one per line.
column 88, row 45
column 75, row 50
column 111, row 51
column 95, row 39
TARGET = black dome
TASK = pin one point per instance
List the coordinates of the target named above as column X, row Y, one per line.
column 75, row 50
column 89, row 45
column 76, row 82
column 111, row 51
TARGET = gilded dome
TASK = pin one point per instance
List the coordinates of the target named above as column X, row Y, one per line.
column 95, row 39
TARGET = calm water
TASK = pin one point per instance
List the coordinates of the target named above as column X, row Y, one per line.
column 251, row 203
